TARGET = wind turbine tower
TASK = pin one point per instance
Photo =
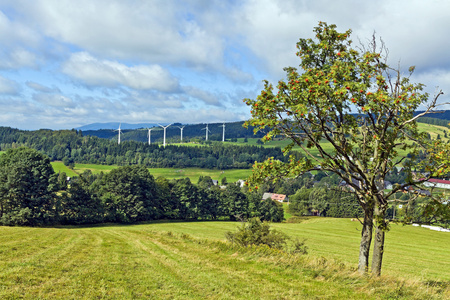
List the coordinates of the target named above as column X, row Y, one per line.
column 120, row 131
column 149, row 136
column 206, row 128
column 181, row 128
column 223, row 132
column 165, row 127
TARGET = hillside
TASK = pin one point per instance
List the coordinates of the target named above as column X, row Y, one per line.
column 196, row 132
column 192, row 261
column 173, row 132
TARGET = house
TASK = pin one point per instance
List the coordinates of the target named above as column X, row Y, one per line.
column 276, row 197
column 439, row 183
column 388, row 185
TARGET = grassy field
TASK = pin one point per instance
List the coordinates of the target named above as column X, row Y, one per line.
column 424, row 256
column 231, row 175
column 190, row 260
column 433, row 130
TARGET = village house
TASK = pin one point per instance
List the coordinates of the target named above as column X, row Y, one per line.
column 439, row 183
column 276, row 197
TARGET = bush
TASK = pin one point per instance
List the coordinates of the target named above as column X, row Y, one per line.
column 255, row 232
column 297, row 247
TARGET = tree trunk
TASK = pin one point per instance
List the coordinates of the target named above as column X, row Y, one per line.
column 378, row 245
column 366, row 239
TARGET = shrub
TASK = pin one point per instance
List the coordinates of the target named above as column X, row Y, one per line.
column 255, row 232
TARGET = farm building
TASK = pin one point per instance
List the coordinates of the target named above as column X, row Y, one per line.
column 276, row 197
column 439, row 183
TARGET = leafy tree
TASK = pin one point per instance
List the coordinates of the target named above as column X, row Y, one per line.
column 299, row 202
column 364, row 109
column 80, row 205
column 271, row 211
column 205, row 182
column 27, row 185
column 169, row 204
column 210, row 203
column 129, row 195
column 188, row 197
column 235, row 203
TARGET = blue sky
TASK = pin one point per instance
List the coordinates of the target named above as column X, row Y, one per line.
column 66, row 63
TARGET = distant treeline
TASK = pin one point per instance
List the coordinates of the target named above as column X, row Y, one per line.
column 443, row 115
column 31, row 194
column 197, row 132
column 191, row 132
column 434, row 121
column 70, row 146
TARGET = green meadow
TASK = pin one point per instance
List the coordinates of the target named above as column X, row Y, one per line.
column 231, row 175
column 192, row 260
column 433, row 130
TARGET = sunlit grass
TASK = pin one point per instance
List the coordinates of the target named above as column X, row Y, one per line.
column 191, row 260
column 231, row 175
column 59, row 167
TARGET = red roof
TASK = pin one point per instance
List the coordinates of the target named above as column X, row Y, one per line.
column 433, row 180
column 278, row 197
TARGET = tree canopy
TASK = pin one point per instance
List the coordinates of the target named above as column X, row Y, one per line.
column 351, row 98
column 27, row 183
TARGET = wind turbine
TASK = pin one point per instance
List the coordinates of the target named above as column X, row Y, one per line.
column 119, row 130
column 223, row 132
column 164, row 143
column 181, row 128
column 150, row 136
column 206, row 131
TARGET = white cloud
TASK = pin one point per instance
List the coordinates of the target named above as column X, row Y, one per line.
column 187, row 61
column 16, row 32
column 17, row 58
column 41, row 88
column 54, row 100
column 414, row 31
column 8, row 87
column 94, row 72
column 202, row 95
column 150, row 30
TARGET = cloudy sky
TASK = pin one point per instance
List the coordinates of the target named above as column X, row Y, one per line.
column 66, row 63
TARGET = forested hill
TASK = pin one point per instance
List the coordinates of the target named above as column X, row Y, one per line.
column 443, row 115
column 71, row 146
column 173, row 133
column 196, row 132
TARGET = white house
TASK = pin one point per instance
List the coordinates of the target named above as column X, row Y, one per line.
column 276, row 197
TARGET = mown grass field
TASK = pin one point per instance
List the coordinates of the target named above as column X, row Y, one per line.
column 231, row 175
column 190, row 260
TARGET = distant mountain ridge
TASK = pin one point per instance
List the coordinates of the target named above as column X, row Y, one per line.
column 115, row 125
column 443, row 115
column 215, row 132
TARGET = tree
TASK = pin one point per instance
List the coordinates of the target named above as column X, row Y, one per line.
column 129, row 195
column 271, row 211
column 363, row 109
column 27, row 184
column 234, row 203
column 188, row 199
column 79, row 205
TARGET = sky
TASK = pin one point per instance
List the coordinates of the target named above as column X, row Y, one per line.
column 65, row 63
